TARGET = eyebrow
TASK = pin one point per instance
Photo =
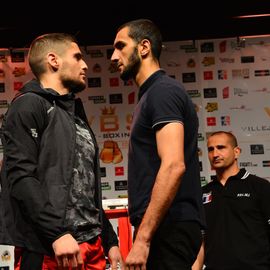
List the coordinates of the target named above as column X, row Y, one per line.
column 119, row 44
column 78, row 55
column 220, row 146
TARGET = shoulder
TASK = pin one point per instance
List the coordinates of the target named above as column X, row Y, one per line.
column 168, row 92
column 254, row 179
column 27, row 102
column 259, row 185
column 26, row 108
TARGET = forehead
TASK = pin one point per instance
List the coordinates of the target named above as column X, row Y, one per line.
column 74, row 47
column 219, row 139
column 122, row 35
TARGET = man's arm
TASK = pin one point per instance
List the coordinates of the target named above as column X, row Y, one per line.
column 170, row 146
column 198, row 264
column 110, row 243
column 22, row 133
column 108, row 235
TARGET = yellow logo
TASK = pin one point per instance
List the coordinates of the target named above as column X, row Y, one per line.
column 267, row 110
column 6, row 256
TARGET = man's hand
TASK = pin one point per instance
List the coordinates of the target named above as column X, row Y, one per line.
column 115, row 258
column 138, row 255
column 67, row 253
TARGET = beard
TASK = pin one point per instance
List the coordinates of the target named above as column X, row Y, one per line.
column 74, row 86
column 131, row 70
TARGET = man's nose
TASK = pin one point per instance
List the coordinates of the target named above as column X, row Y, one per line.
column 114, row 57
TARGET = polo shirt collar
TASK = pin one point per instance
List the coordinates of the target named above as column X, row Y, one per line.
column 149, row 81
column 242, row 174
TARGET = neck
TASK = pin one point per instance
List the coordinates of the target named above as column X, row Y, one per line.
column 224, row 173
column 148, row 67
column 55, row 84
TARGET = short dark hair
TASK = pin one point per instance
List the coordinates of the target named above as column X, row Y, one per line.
column 43, row 44
column 232, row 138
column 145, row 29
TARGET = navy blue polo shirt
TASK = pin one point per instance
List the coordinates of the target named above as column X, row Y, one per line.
column 163, row 100
column 238, row 223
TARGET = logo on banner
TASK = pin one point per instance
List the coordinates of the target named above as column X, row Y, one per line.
column 207, row 197
column 114, row 82
column 225, row 92
column 131, row 98
column 116, row 98
column 194, row 93
column 210, row 92
column 266, row 163
column 95, row 53
column 222, row 46
column 111, row 152
column 189, row 77
column 208, row 61
column 211, row 106
column 94, row 82
column 262, row 128
column 247, row 59
column 240, row 73
column 262, row 90
column 256, row 149
column 18, row 71
column 208, row 75
column 17, row 57
column 225, row 120
column 105, row 186
column 2, row 87
column 108, row 120
column 97, row 99
column 102, row 171
column 207, row 47
column 119, row 171
column 211, row 121
column 222, row 74
column 267, row 110
column 6, row 256
column 248, row 164
column 264, row 72
column 226, row 60
column 240, row 92
column 96, row 68
column 120, row 185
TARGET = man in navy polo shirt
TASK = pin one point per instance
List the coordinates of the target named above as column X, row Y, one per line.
column 237, row 208
column 164, row 190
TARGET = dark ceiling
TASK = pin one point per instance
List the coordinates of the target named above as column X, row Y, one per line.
column 96, row 23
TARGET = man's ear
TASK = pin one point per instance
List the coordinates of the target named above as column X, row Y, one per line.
column 145, row 47
column 237, row 152
column 53, row 60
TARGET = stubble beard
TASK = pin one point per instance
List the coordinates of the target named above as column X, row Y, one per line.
column 132, row 69
column 74, row 86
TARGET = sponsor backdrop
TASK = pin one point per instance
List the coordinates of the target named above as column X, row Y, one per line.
column 228, row 81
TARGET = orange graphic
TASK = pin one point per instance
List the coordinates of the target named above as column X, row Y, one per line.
column 267, row 110
column 111, row 153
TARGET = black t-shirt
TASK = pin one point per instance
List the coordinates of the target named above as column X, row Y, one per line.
column 163, row 100
column 237, row 218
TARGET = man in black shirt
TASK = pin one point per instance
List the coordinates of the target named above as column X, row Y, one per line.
column 164, row 191
column 237, row 208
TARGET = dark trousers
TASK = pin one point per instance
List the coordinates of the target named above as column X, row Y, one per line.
column 175, row 246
